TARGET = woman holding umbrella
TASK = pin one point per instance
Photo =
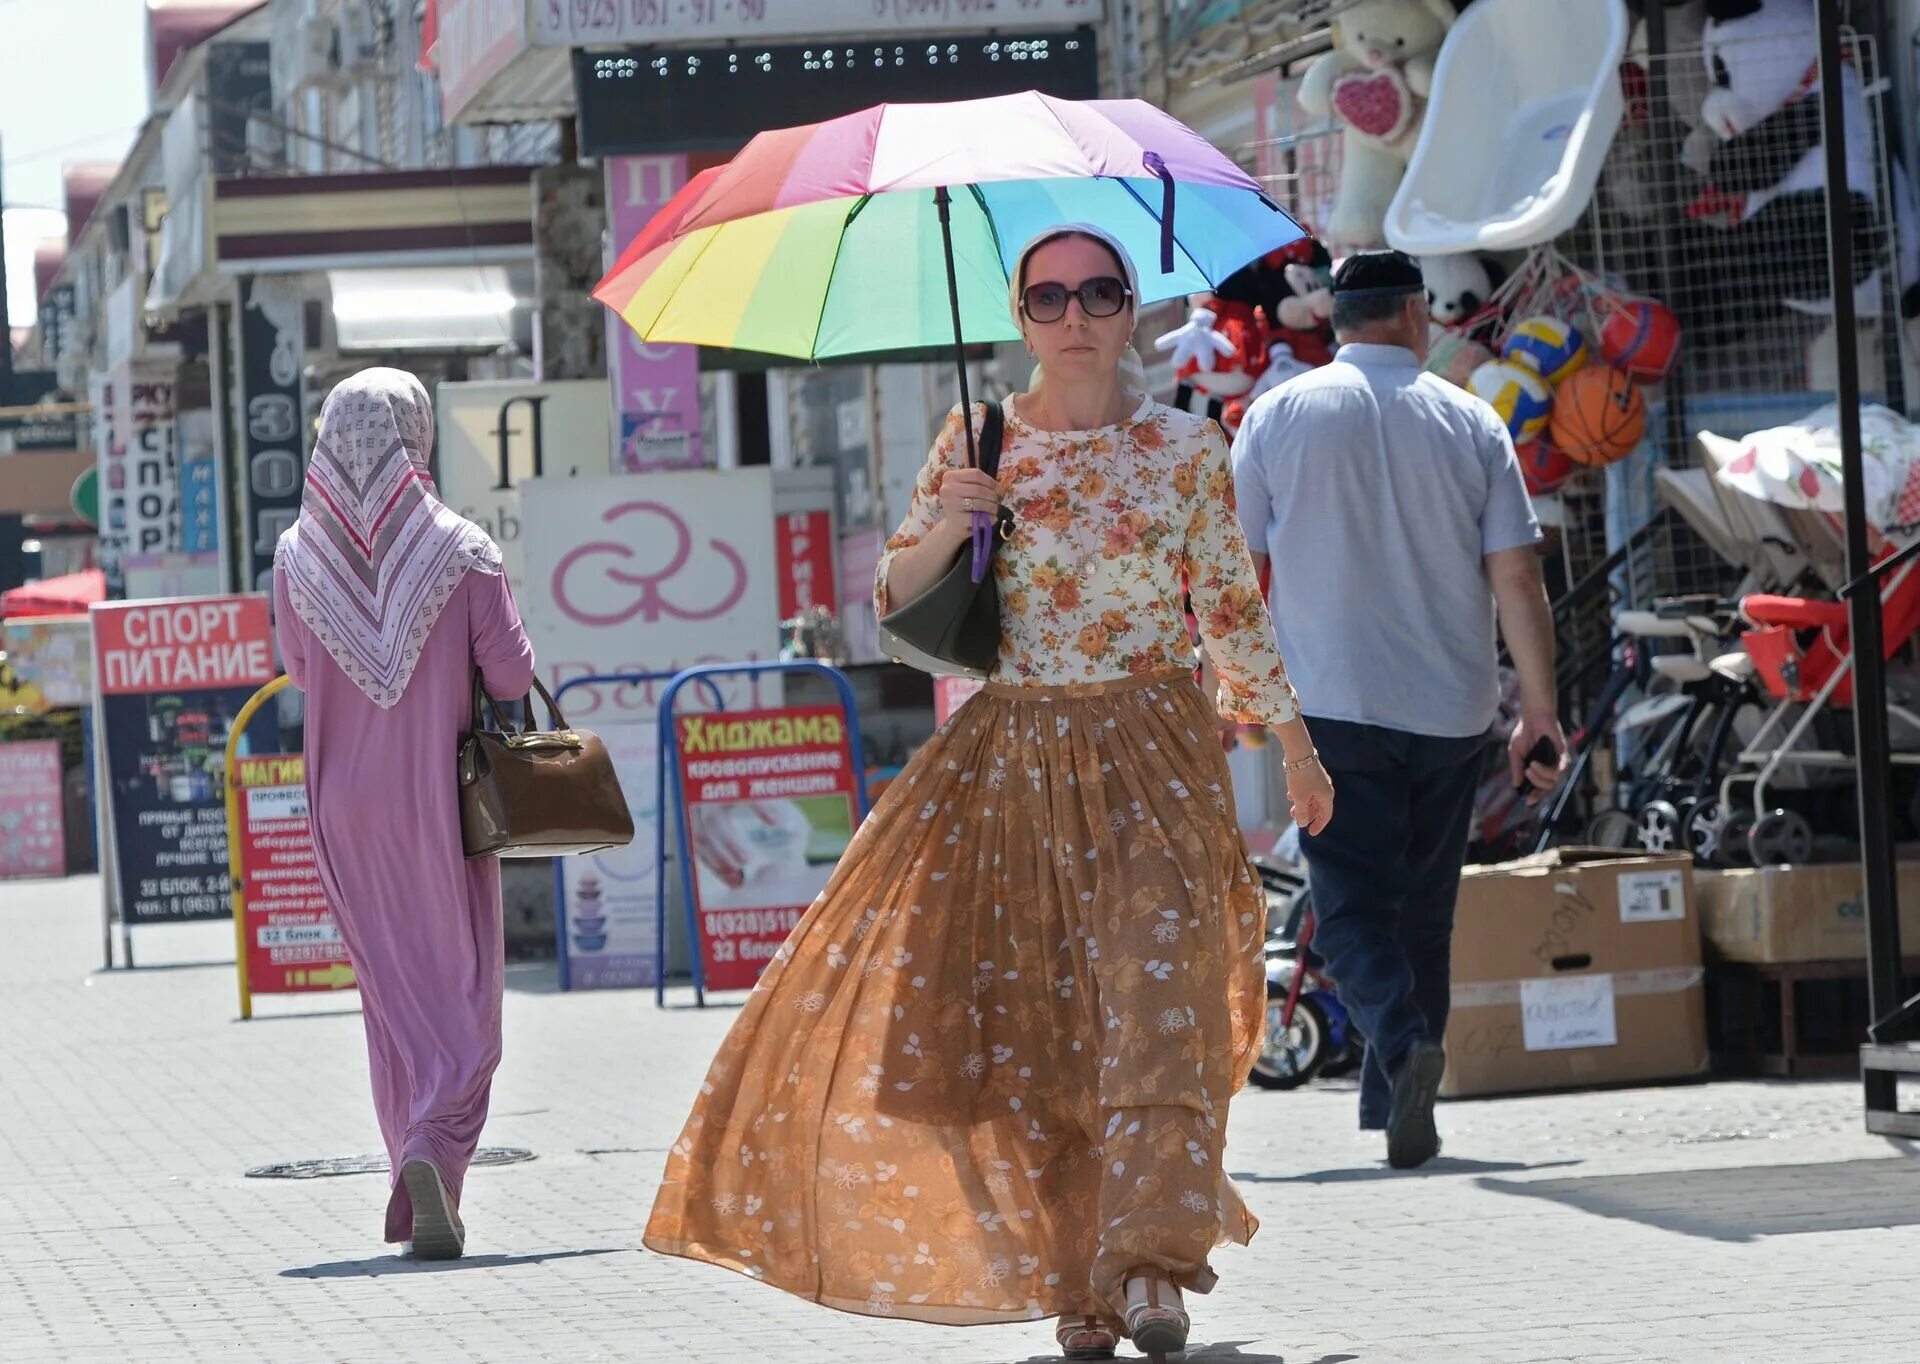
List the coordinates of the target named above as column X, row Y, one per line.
column 987, row 1077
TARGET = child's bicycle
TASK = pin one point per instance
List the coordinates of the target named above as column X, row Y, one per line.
column 1308, row 1030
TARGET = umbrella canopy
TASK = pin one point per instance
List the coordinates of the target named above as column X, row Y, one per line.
column 826, row 240
column 67, row 596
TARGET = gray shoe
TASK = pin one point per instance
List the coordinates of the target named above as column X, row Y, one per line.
column 438, row 1233
column 1412, row 1139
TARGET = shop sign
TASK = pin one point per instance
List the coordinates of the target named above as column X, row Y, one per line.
column 32, row 830
column 608, row 913
column 804, row 542
column 492, row 436
column 52, row 655
column 579, row 23
column 146, row 424
column 649, row 575
column 199, row 465
column 292, row 943
column 112, row 463
column 170, row 678
column 656, row 387
column 270, row 349
column 768, row 799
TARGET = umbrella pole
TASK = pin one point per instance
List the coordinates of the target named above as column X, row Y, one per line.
column 944, row 203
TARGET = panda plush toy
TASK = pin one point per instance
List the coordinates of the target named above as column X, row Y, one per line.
column 1760, row 235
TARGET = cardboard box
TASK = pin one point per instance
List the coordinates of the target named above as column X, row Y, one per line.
column 1576, row 967
column 1774, row 915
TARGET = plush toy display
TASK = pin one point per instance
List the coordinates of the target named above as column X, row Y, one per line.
column 1766, row 178
column 1517, row 394
column 1549, row 347
column 1599, row 416
column 1196, row 345
column 1375, row 81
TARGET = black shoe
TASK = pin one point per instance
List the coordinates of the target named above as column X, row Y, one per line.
column 1412, row 1139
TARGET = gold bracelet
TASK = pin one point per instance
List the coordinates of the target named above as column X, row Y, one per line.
column 1303, row 764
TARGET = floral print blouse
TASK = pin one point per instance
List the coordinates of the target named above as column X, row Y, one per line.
column 1109, row 524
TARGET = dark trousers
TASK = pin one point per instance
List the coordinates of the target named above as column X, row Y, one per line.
column 1384, row 877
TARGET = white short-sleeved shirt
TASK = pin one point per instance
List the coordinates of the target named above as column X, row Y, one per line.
column 1377, row 491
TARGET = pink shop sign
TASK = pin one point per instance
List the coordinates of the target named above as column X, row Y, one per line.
column 656, row 388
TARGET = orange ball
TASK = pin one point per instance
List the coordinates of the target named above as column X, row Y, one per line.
column 1599, row 416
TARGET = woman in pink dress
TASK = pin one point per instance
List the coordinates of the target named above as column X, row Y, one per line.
column 386, row 603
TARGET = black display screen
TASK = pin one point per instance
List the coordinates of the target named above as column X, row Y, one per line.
column 647, row 99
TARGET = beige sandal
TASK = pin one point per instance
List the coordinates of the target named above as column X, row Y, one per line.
column 1156, row 1328
column 1086, row 1338
column 438, row 1232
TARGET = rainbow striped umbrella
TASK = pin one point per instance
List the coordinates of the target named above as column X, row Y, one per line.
column 895, row 228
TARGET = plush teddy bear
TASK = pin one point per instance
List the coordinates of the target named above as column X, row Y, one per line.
column 1375, row 81
column 1762, row 215
column 1459, row 285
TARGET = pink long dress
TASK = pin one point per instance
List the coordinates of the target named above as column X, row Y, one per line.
column 421, row 922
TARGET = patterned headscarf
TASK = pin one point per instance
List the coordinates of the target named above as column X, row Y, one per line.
column 375, row 555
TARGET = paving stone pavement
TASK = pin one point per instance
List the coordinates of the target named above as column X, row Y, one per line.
column 1749, row 1223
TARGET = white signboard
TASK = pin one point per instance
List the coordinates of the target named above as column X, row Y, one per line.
column 1561, row 1013
column 489, row 434
column 577, row 23
column 649, row 574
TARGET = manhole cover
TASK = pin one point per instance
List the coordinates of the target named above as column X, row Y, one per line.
column 325, row 1167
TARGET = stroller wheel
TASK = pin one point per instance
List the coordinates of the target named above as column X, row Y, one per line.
column 1292, row 1056
column 1702, row 829
column 1781, row 838
column 1659, row 826
column 1736, row 848
column 1612, row 829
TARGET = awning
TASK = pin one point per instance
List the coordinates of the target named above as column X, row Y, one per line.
column 474, row 215
column 68, row 596
column 449, row 308
column 490, row 72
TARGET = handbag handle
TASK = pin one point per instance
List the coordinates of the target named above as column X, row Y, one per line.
column 483, row 706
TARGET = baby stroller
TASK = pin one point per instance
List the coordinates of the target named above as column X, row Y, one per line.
column 1802, row 652
column 1308, row 1030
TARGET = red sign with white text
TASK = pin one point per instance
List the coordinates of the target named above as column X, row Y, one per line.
column 196, row 644
column 293, row 944
column 769, row 807
column 32, row 830
column 804, row 541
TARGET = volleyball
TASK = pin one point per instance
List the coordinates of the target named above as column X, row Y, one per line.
column 1599, row 416
column 1641, row 337
column 1544, row 467
column 1518, row 394
column 1549, row 347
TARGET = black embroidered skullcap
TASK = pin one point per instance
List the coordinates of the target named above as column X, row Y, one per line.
column 1376, row 274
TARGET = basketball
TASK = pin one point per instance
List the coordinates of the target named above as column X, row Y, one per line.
column 1641, row 338
column 1544, row 467
column 1599, row 416
column 1549, row 347
column 1518, row 394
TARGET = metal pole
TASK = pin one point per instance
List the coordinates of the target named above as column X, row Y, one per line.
column 1884, row 991
column 1666, row 140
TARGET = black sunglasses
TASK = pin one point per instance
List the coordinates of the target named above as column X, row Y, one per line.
column 1101, row 296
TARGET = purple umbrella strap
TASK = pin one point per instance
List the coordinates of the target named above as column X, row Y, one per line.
column 982, row 544
column 1158, row 166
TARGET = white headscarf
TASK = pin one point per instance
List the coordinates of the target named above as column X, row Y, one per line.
column 1133, row 372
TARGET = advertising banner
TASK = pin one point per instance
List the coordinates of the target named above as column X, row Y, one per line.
column 199, row 463
column 293, row 945
column 804, row 542
column 170, row 676
column 271, row 333
column 53, row 656
column 32, row 830
column 610, row 902
column 658, row 21
column 145, row 424
column 650, row 575
column 768, row 797
column 656, row 388
column 111, row 455
column 490, row 437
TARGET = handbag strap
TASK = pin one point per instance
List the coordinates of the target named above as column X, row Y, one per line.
column 483, row 706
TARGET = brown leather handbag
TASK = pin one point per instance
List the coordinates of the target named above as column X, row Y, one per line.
column 537, row 793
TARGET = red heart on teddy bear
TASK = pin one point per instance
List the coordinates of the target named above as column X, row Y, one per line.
column 1375, row 103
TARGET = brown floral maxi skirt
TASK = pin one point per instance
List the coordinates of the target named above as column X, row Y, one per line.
column 987, row 1076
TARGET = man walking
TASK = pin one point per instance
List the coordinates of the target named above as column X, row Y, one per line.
column 1391, row 508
